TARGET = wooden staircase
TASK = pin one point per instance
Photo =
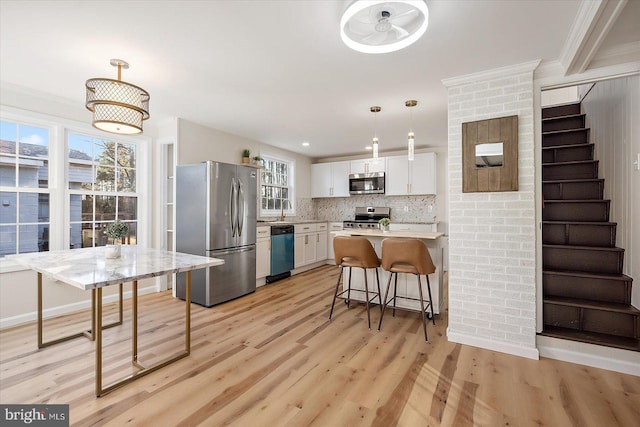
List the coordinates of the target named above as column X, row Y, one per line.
column 586, row 296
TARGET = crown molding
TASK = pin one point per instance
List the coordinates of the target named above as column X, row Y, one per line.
column 510, row 70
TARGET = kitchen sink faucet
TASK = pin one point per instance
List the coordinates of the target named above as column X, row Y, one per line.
column 282, row 215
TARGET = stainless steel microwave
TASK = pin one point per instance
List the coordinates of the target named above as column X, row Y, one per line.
column 366, row 183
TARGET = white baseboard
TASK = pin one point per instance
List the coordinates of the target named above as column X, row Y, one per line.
column 502, row 347
column 68, row 308
column 612, row 359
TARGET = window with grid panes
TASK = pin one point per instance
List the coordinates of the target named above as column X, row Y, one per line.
column 24, row 188
column 277, row 186
column 102, row 189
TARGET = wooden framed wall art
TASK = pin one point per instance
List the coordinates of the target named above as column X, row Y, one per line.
column 490, row 155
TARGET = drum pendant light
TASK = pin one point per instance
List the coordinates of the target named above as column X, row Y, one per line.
column 410, row 137
column 375, row 110
column 117, row 106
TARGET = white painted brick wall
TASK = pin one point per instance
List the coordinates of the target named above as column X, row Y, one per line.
column 492, row 284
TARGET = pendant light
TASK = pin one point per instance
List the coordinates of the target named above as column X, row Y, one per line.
column 117, row 106
column 375, row 110
column 410, row 137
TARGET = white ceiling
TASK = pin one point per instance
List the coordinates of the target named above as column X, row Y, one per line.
column 274, row 71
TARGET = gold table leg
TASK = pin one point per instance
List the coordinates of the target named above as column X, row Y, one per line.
column 89, row 334
column 101, row 391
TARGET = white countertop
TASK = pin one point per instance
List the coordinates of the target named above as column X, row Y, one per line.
column 426, row 235
column 88, row 268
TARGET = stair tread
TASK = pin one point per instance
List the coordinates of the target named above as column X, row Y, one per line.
column 580, row 222
column 555, row 132
column 590, row 248
column 577, row 201
column 597, row 305
column 589, row 275
column 555, row 147
column 574, row 180
column 563, row 117
column 592, row 338
column 573, row 162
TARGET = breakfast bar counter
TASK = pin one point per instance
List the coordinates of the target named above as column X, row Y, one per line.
column 406, row 282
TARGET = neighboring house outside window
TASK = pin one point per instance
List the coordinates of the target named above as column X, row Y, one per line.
column 277, row 186
column 102, row 189
column 24, row 188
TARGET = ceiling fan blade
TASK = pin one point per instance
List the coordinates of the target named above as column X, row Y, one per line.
column 361, row 28
column 375, row 38
column 405, row 14
column 402, row 33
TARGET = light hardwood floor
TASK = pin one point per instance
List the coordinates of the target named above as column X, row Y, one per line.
column 273, row 359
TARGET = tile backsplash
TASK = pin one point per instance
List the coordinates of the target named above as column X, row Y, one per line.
column 406, row 209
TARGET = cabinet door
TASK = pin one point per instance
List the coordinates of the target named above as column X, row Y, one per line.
column 309, row 248
column 263, row 257
column 334, row 226
column 423, row 174
column 397, row 177
column 358, row 166
column 321, row 246
column 340, row 179
column 321, row 179
column 298, row 244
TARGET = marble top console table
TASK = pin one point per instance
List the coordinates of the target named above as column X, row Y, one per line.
column 89, row 269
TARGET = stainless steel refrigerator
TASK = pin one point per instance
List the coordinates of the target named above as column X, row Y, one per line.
column 216, row 217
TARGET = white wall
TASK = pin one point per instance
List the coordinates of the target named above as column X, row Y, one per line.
column 492, row 249
column 613, row 115
column 197, row 143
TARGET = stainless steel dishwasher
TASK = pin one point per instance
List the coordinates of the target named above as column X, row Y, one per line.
column 282, row 252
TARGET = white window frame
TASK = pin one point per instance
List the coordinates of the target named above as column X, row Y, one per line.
column 291, row 167
column 59, row 194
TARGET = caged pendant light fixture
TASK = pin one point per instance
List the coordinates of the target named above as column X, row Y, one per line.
column 117, row 106
column 375, row 110
column 410, row 137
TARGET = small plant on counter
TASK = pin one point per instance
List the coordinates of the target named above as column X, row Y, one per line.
column 384, row 222
column 116, row 231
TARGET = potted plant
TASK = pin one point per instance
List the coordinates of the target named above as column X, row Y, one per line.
column 257, row 160
column 116, row 231
column 246, row 155
column 384, row 224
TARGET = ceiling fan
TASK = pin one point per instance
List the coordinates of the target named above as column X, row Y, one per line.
column 378, row 26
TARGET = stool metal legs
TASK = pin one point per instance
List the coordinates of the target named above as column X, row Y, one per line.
column 366, row 292
column 423, row 309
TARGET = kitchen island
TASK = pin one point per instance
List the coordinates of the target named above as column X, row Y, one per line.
column 407, row 283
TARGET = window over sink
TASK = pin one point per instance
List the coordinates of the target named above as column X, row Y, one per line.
column 277, row 192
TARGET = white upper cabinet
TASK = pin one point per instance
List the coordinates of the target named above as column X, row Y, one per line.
column 411, row 178
column 369, row 165
column 330, row 179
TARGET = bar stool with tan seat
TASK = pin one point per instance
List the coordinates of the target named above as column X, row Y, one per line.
column 410, row 256
column 355, row 251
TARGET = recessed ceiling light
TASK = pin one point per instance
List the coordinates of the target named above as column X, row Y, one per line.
column 382, row 26
column 368, row 147
column 305, row 144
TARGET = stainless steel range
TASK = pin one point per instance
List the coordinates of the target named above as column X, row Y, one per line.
column 368, row 217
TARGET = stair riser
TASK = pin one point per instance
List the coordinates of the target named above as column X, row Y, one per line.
column 560, row 110
column 573, row 190
column 585, row 260
column 579, row 235
column 563, row 123
column 596, row 289
column 568, row 154
column 576, row 211
column 600, row 321
column 566, row 138
column 551, row 172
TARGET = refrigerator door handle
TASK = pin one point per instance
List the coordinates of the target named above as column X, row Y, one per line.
column 240, row 208
column 213, row 254
column 232, row 207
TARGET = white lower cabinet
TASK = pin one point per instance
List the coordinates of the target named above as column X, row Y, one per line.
column 263, row 252
column 310, row 243
column 333, row 226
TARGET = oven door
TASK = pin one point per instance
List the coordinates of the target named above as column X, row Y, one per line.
column 366, row 183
